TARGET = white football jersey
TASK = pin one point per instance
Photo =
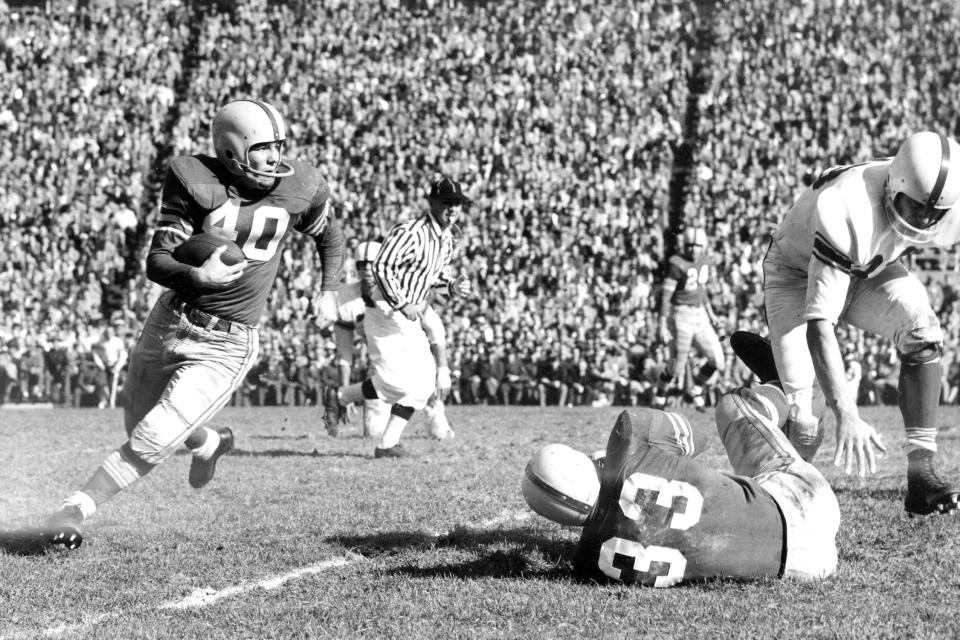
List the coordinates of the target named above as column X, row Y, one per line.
column 837, row 230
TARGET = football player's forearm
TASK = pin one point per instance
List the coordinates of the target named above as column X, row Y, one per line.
column 330, row 248
column 168, row 272
column 828, row 364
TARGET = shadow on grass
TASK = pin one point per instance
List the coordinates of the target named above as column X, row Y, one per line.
column 28, row 541
column 880, row 495
column 503, row 553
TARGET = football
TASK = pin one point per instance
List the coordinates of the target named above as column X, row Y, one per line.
column 198, row 248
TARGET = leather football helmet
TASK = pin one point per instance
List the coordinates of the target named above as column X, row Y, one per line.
column 561, row 484
column 242, row 124
column 923, row 185
column 367, row 251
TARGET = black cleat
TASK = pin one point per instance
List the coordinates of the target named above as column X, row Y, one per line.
column 64, row 527
column 926, row 492
column 755, row 352
column 332, row 411
column 201, row 471
column 396, row 451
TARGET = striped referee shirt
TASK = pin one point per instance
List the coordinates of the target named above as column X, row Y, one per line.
column 412, row 260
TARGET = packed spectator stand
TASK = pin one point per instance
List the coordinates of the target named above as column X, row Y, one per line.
column 589, row 135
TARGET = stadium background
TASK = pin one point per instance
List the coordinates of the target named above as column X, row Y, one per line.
column 589, row 134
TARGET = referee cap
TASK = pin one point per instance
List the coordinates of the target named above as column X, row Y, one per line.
column 448, row 191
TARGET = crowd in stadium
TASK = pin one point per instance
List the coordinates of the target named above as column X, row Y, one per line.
column 589, row 135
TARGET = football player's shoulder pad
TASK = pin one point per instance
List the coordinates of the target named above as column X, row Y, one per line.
column 834, row 224
column 306, row 183
column 203, row 177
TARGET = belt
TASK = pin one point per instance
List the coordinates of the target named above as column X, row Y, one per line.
column 202, row 318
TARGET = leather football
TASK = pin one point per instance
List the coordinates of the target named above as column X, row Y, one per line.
column 197, row 248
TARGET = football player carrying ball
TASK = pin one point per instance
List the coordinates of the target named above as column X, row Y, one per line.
column 201, row 337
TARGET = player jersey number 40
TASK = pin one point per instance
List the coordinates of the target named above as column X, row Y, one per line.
column 267, row 227
column 667, row 491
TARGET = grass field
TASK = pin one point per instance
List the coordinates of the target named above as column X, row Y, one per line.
column 302, row 536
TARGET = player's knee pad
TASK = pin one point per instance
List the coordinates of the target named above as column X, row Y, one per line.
column 922, row 340
column 922, row 353
column 402, row 411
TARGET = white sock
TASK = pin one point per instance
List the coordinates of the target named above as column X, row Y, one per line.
column 82, row 501
column 209, row 446
column 393, row 431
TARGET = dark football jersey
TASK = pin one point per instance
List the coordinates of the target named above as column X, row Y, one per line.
column 200, row 195
column 691, row 277
column 662, row 519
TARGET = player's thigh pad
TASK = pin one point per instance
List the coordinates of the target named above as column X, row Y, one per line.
column 812, row 518
column 146, row 378
column 895, row 305
column 203, row 369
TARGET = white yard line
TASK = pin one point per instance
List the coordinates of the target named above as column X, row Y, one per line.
column 506, row 517
column 199, row 598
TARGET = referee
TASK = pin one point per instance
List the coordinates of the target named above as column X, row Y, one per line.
column 410, row 264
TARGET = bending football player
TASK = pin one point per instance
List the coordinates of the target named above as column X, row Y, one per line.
column 836, row 256
column 201, row 338
column 653, row 515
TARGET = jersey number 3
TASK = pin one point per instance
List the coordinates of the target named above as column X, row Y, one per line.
column 656, row 566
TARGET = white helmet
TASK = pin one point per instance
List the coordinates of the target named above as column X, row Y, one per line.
column 242, row 124
column 926, row 171
column 694, row 237
column 367, row 251
column 561, row 484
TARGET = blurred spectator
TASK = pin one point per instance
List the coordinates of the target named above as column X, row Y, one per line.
column 566, row 119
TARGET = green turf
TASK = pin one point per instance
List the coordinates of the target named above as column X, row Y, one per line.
column 440, row 546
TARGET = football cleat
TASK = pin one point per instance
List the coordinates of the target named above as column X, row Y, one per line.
column 64, row 527
column 926, row 492
column 396, row 451
column 332, row 411
column 755, row 352
column 201, row 471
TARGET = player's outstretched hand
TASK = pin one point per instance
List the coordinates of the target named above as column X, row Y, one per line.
column 858, row 445
column 214, row 273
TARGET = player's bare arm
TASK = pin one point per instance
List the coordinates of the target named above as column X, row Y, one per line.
column 857, row 441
